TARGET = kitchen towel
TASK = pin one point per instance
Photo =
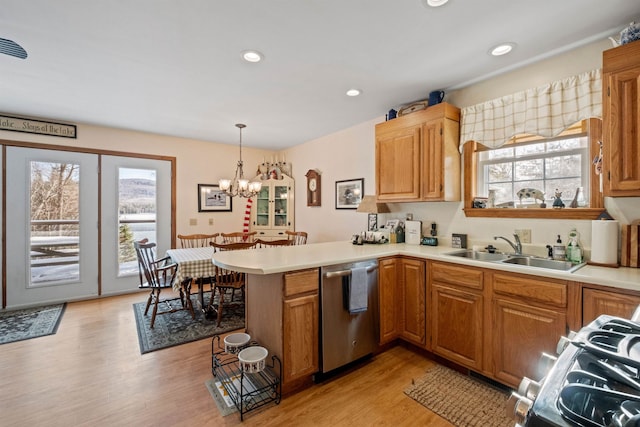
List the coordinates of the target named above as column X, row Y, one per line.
column 604, row 242
column 358, row 291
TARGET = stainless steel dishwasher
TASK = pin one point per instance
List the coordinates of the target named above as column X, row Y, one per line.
column 346, row 337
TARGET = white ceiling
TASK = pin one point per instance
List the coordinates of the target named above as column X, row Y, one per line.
column 174, row 67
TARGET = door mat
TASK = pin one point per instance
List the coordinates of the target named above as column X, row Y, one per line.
column 221, row 397
column 462, row 400
column 24, row 324
column 178, row 328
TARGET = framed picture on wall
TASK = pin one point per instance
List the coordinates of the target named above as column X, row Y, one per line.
column 349, row 193
column 212, row 199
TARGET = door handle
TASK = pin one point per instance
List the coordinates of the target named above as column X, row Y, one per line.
column 342, row 273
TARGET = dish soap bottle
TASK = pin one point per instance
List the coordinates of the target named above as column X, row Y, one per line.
column 574, row 251
column 559, row 251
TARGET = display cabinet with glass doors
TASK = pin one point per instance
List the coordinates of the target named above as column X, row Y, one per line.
column 272, row 209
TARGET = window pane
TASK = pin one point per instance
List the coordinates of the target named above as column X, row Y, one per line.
column 529, row 169
column 567, row 144
column 137, row 214
column 55, row 226
column 567, row 187
column 499, row 172
column 530, row 149
column 504, row 192
column 499, row 153
column 563, row 166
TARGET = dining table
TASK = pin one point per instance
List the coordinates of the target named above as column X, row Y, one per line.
column 194, row 264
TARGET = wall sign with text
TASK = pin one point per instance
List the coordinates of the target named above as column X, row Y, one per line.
column 40, row 127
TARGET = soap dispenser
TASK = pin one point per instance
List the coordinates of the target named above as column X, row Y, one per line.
column 559, row 251
column 574, row 251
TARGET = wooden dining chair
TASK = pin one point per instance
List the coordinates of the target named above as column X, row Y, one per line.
column 238, row 236
column 227, row 280
column 298, row 237
column 267, row 244
column 196, row 240
column 156, row 275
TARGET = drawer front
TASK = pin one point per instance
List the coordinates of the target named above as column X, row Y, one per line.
column 547, row 291
column 457, row 275
column 301, row 282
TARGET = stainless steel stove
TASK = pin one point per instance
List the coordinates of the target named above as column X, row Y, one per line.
column 593, row 382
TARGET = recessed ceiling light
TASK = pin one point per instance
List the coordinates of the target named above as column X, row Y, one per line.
column 502, row 49
column 252, row 56
column 353, row 92
column 433, row 3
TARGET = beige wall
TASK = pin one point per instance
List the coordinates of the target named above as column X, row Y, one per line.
column 347, row 154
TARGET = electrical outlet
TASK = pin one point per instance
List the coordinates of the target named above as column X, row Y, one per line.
column 193, row 221
column 524, row 235
column 210, row 221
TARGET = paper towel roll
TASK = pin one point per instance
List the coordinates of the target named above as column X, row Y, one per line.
column 604, row 242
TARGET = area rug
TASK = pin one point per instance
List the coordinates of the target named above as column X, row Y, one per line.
column 24, row 324
column 462, row 400
column 221, row 397
column 179, row 328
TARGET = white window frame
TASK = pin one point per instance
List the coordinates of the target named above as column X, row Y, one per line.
column 585, row 162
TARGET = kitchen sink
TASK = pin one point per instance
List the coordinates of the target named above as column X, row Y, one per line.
column 524, row 260
column 542, row 263
column 479, row 255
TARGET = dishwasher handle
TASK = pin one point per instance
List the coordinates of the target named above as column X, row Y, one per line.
column 342, row 273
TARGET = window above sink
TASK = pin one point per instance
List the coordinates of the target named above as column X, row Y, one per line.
column 477, row 174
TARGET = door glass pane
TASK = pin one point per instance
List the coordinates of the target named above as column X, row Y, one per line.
column 262, row 207
column 137, row 203
column 54, row 217
column 280, row 201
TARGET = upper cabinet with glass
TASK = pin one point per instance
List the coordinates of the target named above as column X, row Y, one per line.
column 272, row 211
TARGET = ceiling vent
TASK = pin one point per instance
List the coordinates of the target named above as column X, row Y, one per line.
column 11, row 48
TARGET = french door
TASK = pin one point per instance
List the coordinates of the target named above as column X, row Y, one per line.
column 51, row 226
column 136, row 204
column 73, row 217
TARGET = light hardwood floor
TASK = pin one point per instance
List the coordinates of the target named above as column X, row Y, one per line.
column 91, row 373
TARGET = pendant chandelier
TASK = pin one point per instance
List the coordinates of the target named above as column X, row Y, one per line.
column 240, row 186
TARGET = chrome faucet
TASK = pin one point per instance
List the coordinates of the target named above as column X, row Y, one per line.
column 517, row 247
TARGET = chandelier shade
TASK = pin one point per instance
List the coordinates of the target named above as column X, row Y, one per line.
column 239, row 185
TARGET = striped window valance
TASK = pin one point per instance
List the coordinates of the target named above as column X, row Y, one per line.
column 546, row 111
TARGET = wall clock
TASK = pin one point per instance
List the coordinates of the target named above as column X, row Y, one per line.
column 313, row 188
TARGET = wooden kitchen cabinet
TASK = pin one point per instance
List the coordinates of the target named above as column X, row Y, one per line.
column 388, row 299
column 402, row 300
column 621, row 120
column 300, row 324
column 417, row 157
column 529, row 317
column 413, row 296
column 596, row 302
column 282, row 314
column 457, row 313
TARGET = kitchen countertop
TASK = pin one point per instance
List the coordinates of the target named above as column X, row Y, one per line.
column 292, row 258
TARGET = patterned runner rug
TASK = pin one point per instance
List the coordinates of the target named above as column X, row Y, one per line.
column 462, row 400
column 24, row 324
column 179, row 328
